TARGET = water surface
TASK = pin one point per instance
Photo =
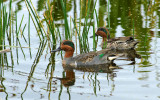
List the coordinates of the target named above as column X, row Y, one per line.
column 33, row 77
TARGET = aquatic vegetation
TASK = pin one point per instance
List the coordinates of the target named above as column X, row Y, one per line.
column 32, row 31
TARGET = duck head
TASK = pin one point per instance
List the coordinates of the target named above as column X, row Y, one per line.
column 103, row 32
column 68, row 47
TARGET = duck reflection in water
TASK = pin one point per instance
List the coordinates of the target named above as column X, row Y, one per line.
column 69, row 79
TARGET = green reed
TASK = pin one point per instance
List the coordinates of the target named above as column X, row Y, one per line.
column 83, row 37
column 14, row 29
column 33, row 21
column 17, row 35
column 3, row 26
column 94, row 41
column 48, row 19
column 29, row 40
column 133, row 28
column 77, row 32
column 108, row 14
column 50, row 24
column 18, row 43
column 8, row 21
column 80, row 21
column 94, row 38
column 4, row 17
column 67, row 31
column 96, row 17
column 32, row 11
column 85, row 31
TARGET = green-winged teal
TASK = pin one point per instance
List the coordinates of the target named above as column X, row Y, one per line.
column 119, row 43
column 91, row 58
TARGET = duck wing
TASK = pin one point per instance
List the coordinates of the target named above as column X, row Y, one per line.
column 120, row 43
column 86, row 57
column 121, row 39
column 99, row 57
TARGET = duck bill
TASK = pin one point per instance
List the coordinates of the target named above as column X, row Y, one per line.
column 92, row 36
column 58, row 49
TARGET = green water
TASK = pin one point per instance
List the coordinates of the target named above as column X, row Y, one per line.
column 29, row 73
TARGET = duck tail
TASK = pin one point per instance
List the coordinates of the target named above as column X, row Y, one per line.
column 134, row 43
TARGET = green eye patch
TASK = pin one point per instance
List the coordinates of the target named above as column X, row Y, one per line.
column 69, row 43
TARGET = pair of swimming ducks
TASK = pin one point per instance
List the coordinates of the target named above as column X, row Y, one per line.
column 98, row 57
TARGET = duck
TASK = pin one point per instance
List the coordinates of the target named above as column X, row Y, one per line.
column 85, row 59
column 118, row 43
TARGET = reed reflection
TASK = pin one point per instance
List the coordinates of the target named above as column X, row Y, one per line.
column 1, row 88
column 69, row 76
column 57, row 11
column 102, row 12
column 123, row 13
column 133, row 15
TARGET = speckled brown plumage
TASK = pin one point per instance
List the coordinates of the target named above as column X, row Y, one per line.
column 118, row 43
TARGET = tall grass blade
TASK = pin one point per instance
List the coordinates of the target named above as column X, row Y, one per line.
column 94, row 41
column 108, row 15
column 22, row 31
column 29, row 40
column 16, row 37
column 133, row 28
column 38, row 23
column 85, row 32
column 33, row 20
column 79, row 36
column 96, row 17
column 67, row 32
column 1, row 27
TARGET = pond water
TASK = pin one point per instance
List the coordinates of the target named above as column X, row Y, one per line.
column 40, row 76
